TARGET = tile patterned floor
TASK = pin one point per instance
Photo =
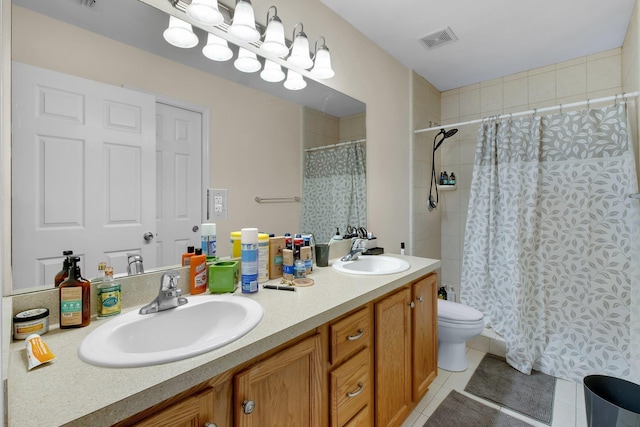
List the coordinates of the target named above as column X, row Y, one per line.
column 568, row 406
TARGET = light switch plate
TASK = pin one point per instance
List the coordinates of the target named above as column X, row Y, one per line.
column 216, row 203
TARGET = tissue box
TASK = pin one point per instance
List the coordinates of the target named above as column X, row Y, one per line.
column 224, row 276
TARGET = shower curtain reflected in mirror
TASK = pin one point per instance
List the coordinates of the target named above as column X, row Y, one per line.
column 334, row 192
column 550, row 253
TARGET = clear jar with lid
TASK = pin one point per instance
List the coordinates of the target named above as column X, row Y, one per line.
column 299, row 269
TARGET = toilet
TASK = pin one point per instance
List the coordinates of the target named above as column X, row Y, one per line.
column 457, row 323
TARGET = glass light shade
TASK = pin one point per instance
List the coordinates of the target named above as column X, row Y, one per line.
column 294, row 81
column 274, row 38
column 243, row 25
column 205, row 12
column 322, row 64
column 180, row 33
column 300, row 52
column 272, row 72
column 217, row 48
column 247, row 61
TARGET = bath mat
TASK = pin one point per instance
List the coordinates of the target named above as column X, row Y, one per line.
column 461, row 411
column 530, row 395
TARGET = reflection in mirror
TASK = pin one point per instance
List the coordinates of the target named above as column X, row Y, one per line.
column 248, row 123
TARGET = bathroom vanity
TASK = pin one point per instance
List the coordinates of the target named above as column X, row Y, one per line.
column 315, row 359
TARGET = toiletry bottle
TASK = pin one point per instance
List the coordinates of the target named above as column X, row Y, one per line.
column 64, row 273
column 297, row 244
column 288, row 242
column 208, row 239
column 249, row 264
column 299, row 269
column 186, row 257
column 451, row 294
column 198, row 273
column 74, row 298
column 263, row 257
column 445, row 178
column 109, row 295
column 402, row 248
column 442, row 294
column 452, row 179
column 441, row 178
column 101, row 271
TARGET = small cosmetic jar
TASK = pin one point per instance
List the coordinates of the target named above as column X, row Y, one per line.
column 34, row 321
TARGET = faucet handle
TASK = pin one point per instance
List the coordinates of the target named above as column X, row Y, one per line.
column 169, row 280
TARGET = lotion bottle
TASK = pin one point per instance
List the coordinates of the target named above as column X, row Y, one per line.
column 74, row 298
column 186, row 257
column 198, row 273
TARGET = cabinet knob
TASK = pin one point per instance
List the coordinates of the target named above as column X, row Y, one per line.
column 357, row 392
column 210, row 425
column 412, row 304
column 357, row 336
column 248, row 406
column 420, row 299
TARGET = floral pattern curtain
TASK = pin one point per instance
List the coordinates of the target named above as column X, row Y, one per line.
column 334, row 191
column 550, row 252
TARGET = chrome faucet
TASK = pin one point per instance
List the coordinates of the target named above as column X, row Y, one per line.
column 170, row 296
column 357, row 248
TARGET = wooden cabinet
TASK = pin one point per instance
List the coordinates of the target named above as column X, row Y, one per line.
column 193, row 411
column 350, row 380
column 327, row 376
column 393, row 358
column 424, row 326
column 405, row 349
column 282, row 390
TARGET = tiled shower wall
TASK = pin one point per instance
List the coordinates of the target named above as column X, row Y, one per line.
column 580, row 79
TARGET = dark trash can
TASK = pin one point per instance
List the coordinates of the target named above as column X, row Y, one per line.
column 611, row 402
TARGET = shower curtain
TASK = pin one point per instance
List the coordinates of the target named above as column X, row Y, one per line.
column 334, row 193
column 550, row 252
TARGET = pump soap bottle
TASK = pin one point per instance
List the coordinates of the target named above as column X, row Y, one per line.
column 62, row 274
column 198, row 273
column 75, row 298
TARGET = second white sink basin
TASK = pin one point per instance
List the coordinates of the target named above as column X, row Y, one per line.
column 372, row 265
column 203, row 324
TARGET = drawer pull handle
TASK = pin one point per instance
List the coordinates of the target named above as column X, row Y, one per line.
column 357, row 392
column 356, row 337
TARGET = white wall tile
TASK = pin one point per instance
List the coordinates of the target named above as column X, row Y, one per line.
column 604, row 73
column 542, row 87
column 515, row 93
column 491, row 98
column 571, row 81
column 470, row 103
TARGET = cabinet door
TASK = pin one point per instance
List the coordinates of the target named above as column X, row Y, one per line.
column 193, row 411
column 283, row 390
column 393, row 358
column 425, row 337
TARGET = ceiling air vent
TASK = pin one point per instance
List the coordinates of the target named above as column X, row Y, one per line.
column 438, row 38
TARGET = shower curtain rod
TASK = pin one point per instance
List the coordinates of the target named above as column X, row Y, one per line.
column 326, row 147
column 537, row 110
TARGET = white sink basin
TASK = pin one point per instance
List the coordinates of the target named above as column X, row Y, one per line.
column 372, row 265
column 203, row 324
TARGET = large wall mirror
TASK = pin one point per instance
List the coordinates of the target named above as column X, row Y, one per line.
column 254, row 134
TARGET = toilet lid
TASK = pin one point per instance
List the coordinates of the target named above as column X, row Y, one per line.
column 449, row 310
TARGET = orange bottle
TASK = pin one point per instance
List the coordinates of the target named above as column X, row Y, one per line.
column 75, row 298
column 198, row 273
column 186, row 257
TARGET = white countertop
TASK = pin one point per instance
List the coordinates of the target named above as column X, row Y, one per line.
column 69, row 391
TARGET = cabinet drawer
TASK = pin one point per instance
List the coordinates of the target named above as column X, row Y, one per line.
column 362, row 419
column 350, row 388
column 350, row 334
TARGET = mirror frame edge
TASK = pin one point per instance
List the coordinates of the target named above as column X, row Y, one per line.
column 5, row 147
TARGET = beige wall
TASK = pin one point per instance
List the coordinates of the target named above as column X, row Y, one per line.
column 580, row 79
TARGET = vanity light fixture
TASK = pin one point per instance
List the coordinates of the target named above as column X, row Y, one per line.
column 272, row 72
column 247, row 61
column 294, row 81
column 180, row 33
column 217, row 48
column 299, row 56
column 322, row 61
column 273, row 42
column 205, row 12
column 243, row 24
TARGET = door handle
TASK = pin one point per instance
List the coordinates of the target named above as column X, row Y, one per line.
column 148, row 236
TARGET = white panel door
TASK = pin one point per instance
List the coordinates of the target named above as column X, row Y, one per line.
column 178, row 179
column 83, row 159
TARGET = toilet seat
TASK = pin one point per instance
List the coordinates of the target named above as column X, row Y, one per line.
column 455, row 313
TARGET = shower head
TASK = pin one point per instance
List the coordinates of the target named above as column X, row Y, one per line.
column 445, row 135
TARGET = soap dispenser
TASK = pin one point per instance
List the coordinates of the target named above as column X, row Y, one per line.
column 74, row 298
